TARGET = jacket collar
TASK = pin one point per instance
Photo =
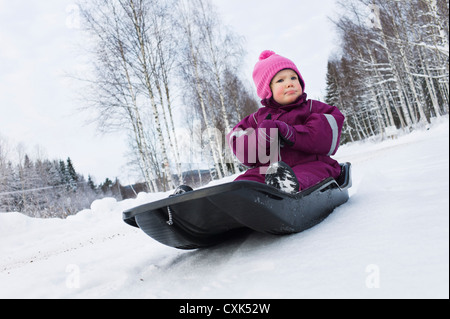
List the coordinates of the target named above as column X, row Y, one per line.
column 271, row 103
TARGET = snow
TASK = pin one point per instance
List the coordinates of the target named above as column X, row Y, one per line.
column 391, row 240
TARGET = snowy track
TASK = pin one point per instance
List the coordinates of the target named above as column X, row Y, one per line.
column 391, row 240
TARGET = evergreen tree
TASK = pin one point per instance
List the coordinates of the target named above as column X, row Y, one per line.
column 71, row 175
column 71, row 170
column 332, row 81
column 62, row 173
column 91, row 184
column 106, row 186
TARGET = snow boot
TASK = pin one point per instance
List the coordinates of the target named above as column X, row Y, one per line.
column 181, row 190
column 281, row 176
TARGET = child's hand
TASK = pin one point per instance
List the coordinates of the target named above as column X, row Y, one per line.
column 285, row 132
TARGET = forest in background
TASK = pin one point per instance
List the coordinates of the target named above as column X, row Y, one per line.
column 393, row 70
column 151, row 57
column 46, row 188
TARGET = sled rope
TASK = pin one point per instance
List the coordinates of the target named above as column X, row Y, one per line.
column 170, row 221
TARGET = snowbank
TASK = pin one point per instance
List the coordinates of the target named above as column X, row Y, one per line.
column 391, row 240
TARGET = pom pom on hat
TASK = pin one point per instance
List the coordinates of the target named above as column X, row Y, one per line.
column 265, row 54
column 267, row 67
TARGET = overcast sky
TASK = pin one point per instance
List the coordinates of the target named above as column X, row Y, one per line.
column 38, row 46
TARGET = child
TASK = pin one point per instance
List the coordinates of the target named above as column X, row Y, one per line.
column 299, row 134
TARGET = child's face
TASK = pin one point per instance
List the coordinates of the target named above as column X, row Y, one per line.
column 286, row 87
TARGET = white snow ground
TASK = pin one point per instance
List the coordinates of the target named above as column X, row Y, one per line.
column 391, row 240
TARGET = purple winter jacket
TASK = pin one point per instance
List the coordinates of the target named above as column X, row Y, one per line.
column 318, row 130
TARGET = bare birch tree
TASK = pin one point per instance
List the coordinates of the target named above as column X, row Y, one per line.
column 137, row 11
column 212, row 54
column 131, row 89
column 115, row 94
column 141, row 47
column 191, row 67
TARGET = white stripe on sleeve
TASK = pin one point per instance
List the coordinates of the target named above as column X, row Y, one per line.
column 335, row 131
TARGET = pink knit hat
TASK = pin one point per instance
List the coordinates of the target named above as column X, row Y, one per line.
column 267, row 67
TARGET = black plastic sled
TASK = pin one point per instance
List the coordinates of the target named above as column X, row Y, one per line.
column 208, row 216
